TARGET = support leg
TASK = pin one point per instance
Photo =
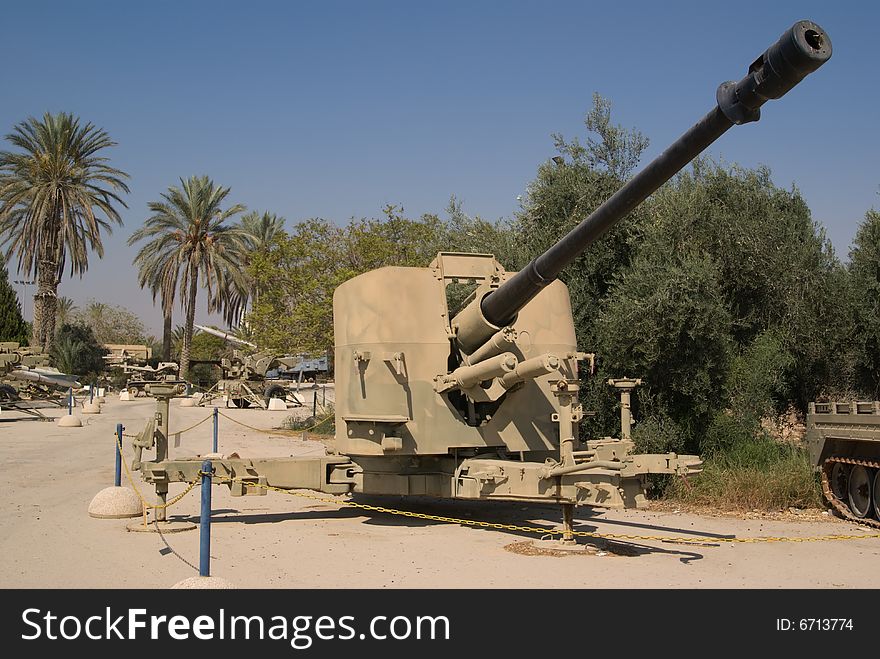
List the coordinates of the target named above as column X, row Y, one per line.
column 568, row 524
column 162, row 493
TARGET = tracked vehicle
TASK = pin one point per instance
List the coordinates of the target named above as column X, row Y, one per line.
column 481, row 401
column 844, row 444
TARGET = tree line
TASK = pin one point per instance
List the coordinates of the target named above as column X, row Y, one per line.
column 721, row 292
column 59, row 195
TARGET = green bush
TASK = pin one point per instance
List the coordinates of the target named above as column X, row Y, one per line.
column 659, row 434
column 756, row 383
column 665, row 322
column 12, row 325
column 747, row 471
column 323, row 424
column 76, row 352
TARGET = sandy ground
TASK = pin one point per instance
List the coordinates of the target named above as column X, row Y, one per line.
column 48, row 476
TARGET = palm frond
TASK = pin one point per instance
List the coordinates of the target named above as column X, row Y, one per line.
column 58, row 195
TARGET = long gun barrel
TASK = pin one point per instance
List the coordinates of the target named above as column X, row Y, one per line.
column 226, row 336
column 41, row 376
column 799, row 51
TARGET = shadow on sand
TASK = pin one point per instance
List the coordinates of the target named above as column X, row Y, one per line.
column 517, row 514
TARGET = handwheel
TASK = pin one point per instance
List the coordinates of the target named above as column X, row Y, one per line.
column 860, row 491
column 839, row 480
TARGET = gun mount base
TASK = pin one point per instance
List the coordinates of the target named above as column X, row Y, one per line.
column 595, row 482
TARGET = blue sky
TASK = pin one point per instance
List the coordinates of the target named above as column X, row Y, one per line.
column 334, row 109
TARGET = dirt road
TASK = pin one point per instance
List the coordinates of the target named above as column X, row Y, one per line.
column 48, row 476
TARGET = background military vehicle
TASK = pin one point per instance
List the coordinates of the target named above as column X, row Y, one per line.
column 304, row 369
column 122, row 363
column 844, row 444
column 245, row 374
column 26, row 373
column 480, row 402
column 141, row 376
column 28, row 383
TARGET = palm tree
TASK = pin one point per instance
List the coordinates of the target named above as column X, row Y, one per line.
column 176, row 341
column 64, row 308
column 161, row 275
column 188, row 229
column 65, row 354
column 260, row 229
column 57, row 193
column 95, row 313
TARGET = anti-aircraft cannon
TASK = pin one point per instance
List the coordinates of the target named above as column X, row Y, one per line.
column 481, row 402
column 133, row 360
column 244, row 378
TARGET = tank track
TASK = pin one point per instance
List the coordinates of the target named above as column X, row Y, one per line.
column 839, row 506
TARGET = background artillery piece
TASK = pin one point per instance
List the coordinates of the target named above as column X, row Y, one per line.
column 244, row 380
column 142, row 376
column 27, row 382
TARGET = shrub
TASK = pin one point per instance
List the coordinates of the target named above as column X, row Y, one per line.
column 744, row 470
column 76, row 352
column 323, row 424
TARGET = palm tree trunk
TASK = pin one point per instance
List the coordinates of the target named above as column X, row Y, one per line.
column 46, row 298
column 188, row 326
column 43, row 329
column 167, row 306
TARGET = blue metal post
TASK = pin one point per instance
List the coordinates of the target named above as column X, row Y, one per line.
column 70, row 401
column 91, row 393
column 216, row 423
column 119, row 429
column 205, row 522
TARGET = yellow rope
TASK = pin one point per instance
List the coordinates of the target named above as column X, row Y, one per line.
column 178, row 432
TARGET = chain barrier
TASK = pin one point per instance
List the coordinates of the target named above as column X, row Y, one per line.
column 177, row 432
column 180, row 432
column 146, row 504
column 170, row 548
column 281, row 431
column 685, row 540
